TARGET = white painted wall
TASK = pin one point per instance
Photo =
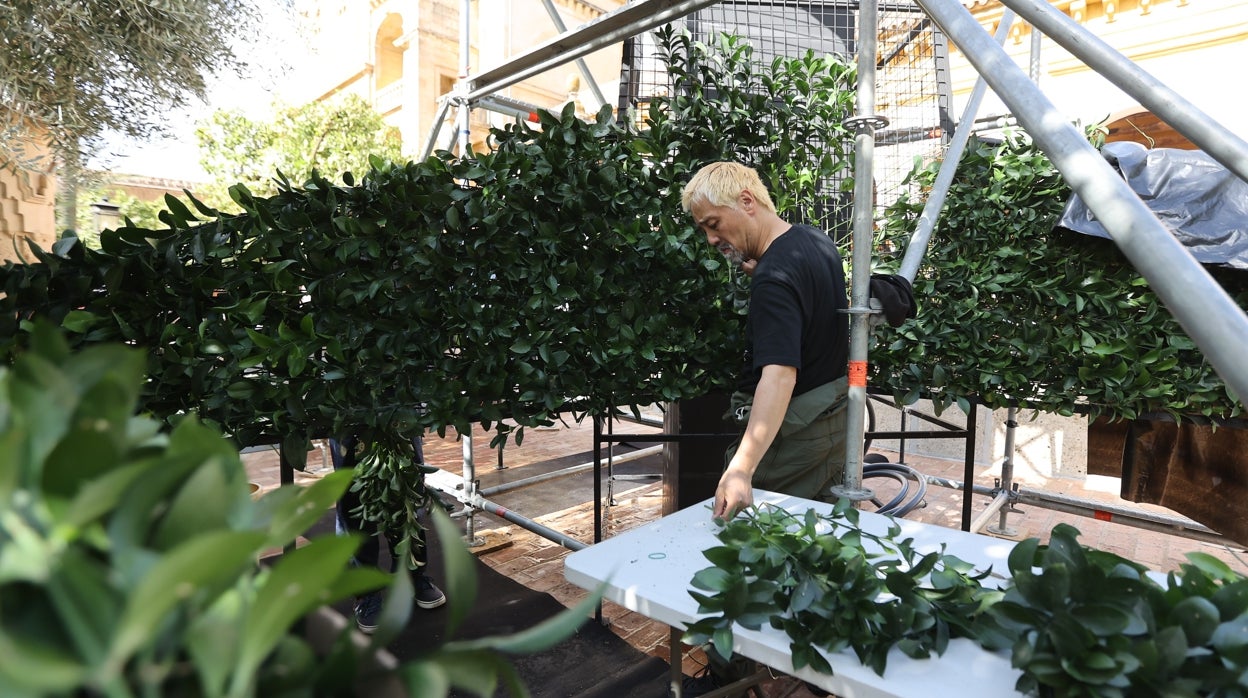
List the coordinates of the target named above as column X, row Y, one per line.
column 1045, row 445
column 1195, row 48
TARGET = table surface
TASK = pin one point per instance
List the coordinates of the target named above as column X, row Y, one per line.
column 648, row 570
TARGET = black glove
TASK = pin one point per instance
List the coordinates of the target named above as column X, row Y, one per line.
column 895, row 296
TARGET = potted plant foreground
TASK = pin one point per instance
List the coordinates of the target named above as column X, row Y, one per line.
column 130, row 559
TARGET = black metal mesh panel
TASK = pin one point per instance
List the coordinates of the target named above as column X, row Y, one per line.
column 912, row 92
column 912, row 84
column 779, row 28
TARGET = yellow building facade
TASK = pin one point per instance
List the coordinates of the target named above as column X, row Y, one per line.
column 27, row 202
column 1192, row 46
column 405, row 55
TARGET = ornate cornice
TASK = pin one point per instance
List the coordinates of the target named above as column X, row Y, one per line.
column 1187, row 26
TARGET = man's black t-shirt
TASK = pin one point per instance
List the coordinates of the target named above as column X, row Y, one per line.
column 797, row 296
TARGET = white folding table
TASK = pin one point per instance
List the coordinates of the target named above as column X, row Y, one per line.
column 648, row 570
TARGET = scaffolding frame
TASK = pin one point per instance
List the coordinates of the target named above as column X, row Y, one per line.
column 1204, row 310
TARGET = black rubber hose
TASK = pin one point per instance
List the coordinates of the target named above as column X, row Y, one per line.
column 904, row 502
column 901, row 480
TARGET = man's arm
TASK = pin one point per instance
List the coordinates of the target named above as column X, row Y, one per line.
column 771, row 401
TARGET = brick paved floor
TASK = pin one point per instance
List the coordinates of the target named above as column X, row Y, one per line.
column 564, row 505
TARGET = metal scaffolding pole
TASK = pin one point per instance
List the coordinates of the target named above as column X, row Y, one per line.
column 627, row 21
column 473, row 501
column 864, row 125
column 464, row 137
column 1205, row 311
column 470, row 487
column 581, row 65
column 444, row 107
column 1219, row 142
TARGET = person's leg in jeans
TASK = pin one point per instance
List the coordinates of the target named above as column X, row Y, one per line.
column 368, row 607
column 342, row 454
column 428, row 595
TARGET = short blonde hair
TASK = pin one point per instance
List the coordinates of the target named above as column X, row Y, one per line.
column 720, row 183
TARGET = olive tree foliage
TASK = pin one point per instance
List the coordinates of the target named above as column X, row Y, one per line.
column 332, row 137
column 74, row 70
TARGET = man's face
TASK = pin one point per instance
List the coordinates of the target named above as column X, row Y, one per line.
column 727, row 229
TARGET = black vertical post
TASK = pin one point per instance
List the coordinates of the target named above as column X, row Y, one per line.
column 286, row 469
column 901, row 443
column 968, row 471
column 597, row 479
column 598, row 499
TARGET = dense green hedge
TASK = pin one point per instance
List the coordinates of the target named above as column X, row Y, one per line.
column 553, row 275
column 524, row 283
column 1012, row 311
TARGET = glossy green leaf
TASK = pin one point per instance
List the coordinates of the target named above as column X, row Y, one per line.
column 302, row 507
column 1102, row 620
column 1230, row 639
column 86, row 603
column 294, row 586
column 426, row 678
column 1198, row 617
column 199, row 563
column 211, row 493
column 458, row 565
column 37, row 668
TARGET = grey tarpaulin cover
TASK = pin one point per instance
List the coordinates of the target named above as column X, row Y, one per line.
column 1199, row 200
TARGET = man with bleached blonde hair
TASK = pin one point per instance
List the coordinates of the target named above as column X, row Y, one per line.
column 791, row 396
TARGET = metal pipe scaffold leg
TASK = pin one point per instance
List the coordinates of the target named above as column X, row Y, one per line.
column 444, row 107
column 1205, row 311
column 473, row 501
column 463, row 137
column 546, row 532
column 1182, row 527
column 1007, row 476
column 1176, row 526
column 864, row 126
column 570, row 470
column 1000, row 500
column 615, row 26
column 470, row 487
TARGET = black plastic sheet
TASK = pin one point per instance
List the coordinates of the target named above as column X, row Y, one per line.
column 1203, row 204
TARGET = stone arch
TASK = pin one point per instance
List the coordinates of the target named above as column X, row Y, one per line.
column 388, row 57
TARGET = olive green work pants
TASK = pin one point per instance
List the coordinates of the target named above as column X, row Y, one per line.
column 807, row 457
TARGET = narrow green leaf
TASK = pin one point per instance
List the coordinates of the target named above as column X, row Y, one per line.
column 459, row 566
column 199, row 563
column 37, row 668
column 302, row 507
column 295, row 585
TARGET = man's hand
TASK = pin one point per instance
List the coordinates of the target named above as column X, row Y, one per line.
column 734, row 494
column 771, row 399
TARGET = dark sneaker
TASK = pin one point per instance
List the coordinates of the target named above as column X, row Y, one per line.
column 367, row 611
column 428, row 595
